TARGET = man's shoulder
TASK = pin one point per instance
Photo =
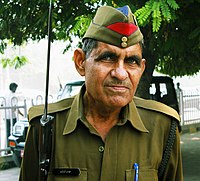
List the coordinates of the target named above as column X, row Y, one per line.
column 156, row 106
column 53, row 108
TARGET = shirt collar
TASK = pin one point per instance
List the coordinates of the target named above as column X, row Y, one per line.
column 76, row 113
column 134, row 118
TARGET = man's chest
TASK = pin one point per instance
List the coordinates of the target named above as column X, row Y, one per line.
column 109, row 160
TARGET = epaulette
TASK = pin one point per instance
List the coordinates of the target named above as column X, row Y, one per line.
column 156, row 106
column 38, row 110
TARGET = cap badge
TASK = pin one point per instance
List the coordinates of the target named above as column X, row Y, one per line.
column 124, row 41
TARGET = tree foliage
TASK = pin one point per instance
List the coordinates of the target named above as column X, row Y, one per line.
column 179, row 42
column 159, row 10
column 170, row 27
column 16, row 62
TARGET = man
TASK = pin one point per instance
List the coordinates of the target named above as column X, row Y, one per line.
column 105, row 133
column 11, row 101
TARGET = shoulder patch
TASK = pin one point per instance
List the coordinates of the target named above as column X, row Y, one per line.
column 36, row 111
column 156, row 106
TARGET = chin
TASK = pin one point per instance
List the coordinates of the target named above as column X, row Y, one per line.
column 120, row 102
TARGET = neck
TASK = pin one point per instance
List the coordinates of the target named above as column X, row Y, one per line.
column 100, row 117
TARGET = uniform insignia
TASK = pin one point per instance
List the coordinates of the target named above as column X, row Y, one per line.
column 124, row 10
column 123, row 28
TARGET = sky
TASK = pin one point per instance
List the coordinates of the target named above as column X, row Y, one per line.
column 31, row 77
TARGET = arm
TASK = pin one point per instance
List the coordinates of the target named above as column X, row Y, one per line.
column 174, row 171
column 30, row 163
column 19, row 112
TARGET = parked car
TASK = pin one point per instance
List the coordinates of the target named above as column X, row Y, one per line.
column 70, row 89
column 161, row 89
column 17, row 140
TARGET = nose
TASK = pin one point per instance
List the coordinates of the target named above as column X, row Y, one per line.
column 120, row 73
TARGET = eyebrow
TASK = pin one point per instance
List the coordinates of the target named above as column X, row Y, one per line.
column 106, row 54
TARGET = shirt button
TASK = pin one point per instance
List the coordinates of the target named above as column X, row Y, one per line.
column 101, row 148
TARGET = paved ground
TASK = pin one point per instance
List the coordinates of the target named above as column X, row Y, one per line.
column 9, row 174
column 190, row 144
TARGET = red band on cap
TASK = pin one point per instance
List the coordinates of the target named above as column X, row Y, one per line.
column 123, row 28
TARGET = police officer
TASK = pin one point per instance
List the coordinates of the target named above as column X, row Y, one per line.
column 105, row 133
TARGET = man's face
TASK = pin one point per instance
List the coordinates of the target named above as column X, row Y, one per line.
column 112, row 74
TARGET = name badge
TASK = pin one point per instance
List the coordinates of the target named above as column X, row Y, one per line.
column 67, row 171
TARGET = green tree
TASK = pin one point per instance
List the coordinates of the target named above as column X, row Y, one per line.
column 171, row 28
column 174, row 49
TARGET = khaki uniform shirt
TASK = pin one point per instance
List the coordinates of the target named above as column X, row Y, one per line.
column 139, row 137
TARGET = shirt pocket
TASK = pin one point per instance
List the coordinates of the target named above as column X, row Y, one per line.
column 144, row 175
column 82, row 177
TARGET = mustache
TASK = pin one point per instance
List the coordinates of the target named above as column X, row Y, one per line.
column 124, row 83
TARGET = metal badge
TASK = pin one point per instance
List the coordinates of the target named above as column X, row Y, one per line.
column 124, row 40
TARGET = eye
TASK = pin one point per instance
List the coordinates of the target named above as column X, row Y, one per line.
column 131, row 61
column 135, row 60
column 107, row 57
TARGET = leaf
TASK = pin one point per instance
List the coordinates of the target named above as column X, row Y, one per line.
column 165, row 10
column 143, row 14
column 173, row 4
column 156, row 10
column 3, row 46
column 156, row 24
column 91, row 1
column 5, row 62
column 156, row 19
column 82, row 22
column 18, row 62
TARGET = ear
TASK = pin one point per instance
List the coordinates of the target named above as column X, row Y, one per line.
column 79, row 60
column 143, row 65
